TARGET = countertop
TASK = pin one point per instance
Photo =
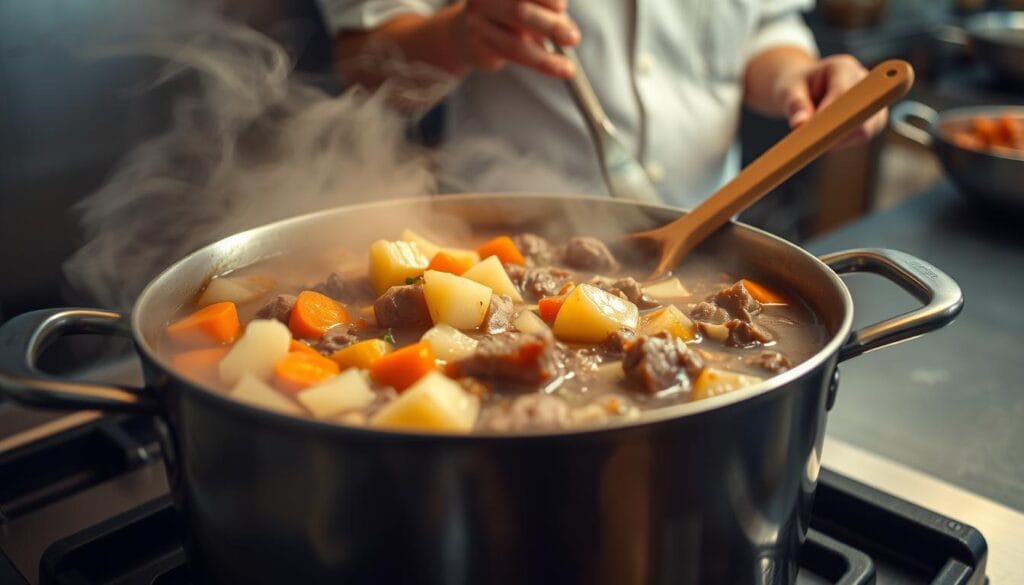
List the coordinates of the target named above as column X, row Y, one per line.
column 950, row 404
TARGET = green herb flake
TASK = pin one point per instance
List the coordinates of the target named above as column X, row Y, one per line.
column 411, row 280
column 389, row 336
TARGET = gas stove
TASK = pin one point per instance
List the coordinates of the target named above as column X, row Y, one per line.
column 85, row 501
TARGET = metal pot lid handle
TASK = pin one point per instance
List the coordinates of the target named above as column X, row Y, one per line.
column 24, row 338
column 903, row 117
column 940, row 293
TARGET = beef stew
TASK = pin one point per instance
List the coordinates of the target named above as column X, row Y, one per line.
column 515, row 334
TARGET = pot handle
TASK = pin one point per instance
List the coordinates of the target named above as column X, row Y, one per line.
column 914, row 121
column 940, row 293
column 24, row 338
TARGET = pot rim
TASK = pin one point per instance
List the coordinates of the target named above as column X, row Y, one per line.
column 650, row 417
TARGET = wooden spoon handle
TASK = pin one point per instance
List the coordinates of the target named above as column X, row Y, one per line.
column 883, row 85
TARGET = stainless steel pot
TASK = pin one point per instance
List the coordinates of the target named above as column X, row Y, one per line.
column 715, row 491
column 992, row 178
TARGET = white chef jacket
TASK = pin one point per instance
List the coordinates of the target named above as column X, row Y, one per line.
column 668, row 73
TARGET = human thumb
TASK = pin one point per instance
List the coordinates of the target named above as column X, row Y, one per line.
column 798, row 104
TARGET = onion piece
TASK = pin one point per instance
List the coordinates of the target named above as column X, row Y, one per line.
column 530, row 322
column 671, row 288
column 236, row 289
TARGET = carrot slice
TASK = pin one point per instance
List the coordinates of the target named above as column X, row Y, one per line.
column 299, row 370
column 200, row 364
column 986, row 129
column 315, row 313
column 403, row 367
column 217, row 323
column 1009, row 130
column 296, row 345
column 1014, row 127
column 445, row 262
column 968, row 140
column 763, row 294
column 548, row 307
column 361, row 354
column 504, row 248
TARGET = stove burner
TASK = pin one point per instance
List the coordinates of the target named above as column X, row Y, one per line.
column 858, row 536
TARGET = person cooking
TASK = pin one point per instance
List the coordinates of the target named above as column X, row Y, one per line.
column 671, row 74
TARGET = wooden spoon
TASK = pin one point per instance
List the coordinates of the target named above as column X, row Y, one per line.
column 883, row 85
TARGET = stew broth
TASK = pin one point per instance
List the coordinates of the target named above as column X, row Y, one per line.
column 509, row 334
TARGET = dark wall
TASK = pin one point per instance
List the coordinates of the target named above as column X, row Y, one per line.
column 66, row 118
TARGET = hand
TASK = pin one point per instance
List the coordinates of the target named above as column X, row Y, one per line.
column 495, row 32
column 811, row 88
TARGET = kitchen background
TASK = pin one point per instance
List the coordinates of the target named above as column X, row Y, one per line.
column 65, row 118
column 948, row 405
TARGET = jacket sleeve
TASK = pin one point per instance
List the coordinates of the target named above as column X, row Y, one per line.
column 369, row 14
column 781, row 23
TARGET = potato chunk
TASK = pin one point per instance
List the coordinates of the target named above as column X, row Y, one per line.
column 529, row 322
column 348, row 390
column 252, row 390
column 429, row 248
column 714, row 381
column 361, row 354
column 264, row 342
column 434, row 403
column 666, row 289
column 449, row 343
column 457, row 301
column 671, row 320
column 391, row 263
column 237, row 289
column 490, row 272
column 590, row 315
column 462, row 255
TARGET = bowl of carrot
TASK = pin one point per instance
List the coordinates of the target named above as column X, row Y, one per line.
column 981, row 148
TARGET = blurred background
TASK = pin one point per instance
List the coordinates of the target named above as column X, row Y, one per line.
column 65, row 119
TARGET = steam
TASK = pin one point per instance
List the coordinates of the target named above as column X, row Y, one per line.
column 254, row 144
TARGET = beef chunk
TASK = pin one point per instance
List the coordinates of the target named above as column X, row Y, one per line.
column 709, row 313
column 474, row 387
column 591, row 254
column 516, row 273
column 737, row 300
column 280, row 308
column 530, row 411
column 344, row 289
column 627, row 288
column 534, row 247
column 333, row 286
column 617, row 342
column 402, row 306
column 660, row 361
column 335, row 338
column 498, row 318
column 512, row 357
column 746, row 334
column 538, row 282
column 772, row 361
